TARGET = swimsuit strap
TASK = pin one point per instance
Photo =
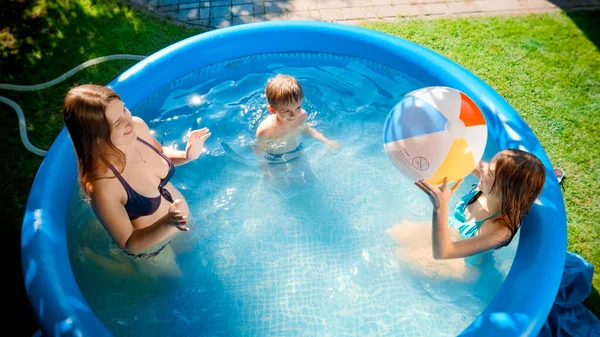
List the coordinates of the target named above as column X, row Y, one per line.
column 153, row 148
column 121, row 179
column 487, row 217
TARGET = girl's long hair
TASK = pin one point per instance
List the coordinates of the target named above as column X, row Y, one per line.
column 519, row 179
column 84, row 114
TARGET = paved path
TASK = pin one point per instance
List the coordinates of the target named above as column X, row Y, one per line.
column 223, row 13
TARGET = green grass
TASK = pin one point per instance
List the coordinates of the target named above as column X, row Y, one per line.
column 546, row 66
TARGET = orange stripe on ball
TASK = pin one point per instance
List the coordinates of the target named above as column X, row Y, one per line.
column 469, row 112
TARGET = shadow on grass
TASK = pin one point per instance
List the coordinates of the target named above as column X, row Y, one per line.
column 585, row 16
column 59, row 35
column 39, row 41
column 588, row 21
column 593, row 302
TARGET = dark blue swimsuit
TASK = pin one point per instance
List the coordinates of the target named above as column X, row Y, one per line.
column 138, row 205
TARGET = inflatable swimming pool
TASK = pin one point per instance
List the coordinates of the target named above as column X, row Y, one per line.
column 524, row 300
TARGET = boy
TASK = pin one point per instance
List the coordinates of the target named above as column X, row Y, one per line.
column 280, row 133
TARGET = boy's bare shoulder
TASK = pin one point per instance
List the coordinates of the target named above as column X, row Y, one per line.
column 265, row 128
column 303, row 116
column 302, row 119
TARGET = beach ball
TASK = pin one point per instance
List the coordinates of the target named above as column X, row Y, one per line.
column 435, row 132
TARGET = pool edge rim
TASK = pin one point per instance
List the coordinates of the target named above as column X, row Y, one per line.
column 34, row 224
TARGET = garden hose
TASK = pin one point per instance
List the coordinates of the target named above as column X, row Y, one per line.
column 16, row 87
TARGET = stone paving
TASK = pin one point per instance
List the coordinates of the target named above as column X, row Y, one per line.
column 223, row 13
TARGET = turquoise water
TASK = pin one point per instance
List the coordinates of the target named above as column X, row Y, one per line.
column 301, row 251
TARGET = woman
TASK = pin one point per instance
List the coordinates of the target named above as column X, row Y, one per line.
column 483, row 220
column 124, row 171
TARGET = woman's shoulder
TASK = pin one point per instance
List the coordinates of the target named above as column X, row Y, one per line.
column 139, row 124
column 143, row 131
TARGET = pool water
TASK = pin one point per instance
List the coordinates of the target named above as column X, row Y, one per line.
column 297, row 249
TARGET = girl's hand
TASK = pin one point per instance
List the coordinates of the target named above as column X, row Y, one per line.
column 195, row 143
column 176, row 219
column 438, row 195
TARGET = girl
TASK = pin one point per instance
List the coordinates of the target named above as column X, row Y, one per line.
column 485, row 219
column 125, row 173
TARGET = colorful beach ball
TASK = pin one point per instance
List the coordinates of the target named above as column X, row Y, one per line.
column 435, row 132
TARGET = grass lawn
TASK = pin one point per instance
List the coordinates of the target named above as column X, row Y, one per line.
column 546, row 66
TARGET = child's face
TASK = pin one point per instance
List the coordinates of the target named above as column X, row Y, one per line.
column 287, row 113
column 488, row 177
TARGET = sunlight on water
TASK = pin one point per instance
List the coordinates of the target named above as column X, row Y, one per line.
column 297, row 249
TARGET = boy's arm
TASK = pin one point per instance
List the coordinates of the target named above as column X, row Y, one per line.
column 312, row 132
column 308, row 129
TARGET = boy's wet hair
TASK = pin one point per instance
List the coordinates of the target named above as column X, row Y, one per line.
column 283, row 90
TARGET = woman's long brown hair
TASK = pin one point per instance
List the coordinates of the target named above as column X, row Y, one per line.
column 519, row 178
column 84, row 114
